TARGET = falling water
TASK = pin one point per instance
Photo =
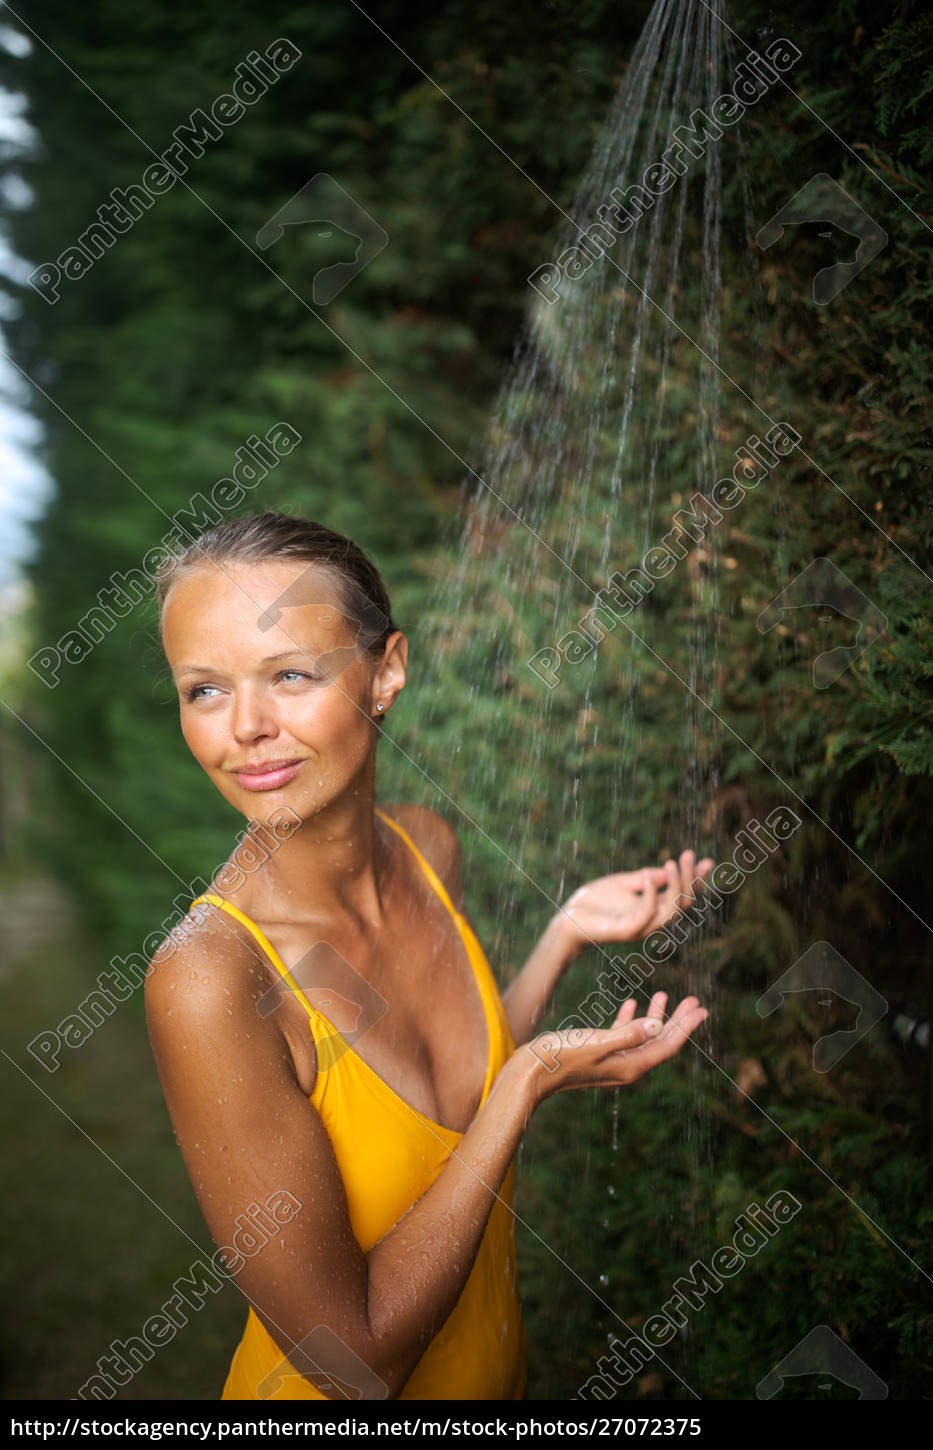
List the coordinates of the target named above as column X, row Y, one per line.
column 572, row 762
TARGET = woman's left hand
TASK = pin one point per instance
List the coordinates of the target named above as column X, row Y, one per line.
column 629, row 905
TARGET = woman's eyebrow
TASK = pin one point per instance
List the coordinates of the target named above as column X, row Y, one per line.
column 268, row 660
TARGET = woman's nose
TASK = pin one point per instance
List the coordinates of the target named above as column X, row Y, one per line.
column 252, row 715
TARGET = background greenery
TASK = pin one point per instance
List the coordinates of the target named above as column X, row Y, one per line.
column 176, row 347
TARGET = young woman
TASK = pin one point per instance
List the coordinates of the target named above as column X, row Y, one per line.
column 347, row 1086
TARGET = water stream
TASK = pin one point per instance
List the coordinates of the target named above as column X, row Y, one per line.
column 569, row 755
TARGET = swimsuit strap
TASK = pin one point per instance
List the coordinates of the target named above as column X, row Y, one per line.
column 433, row 880
column 482, row 973
column 323, row 1030
column 270, row 951
column 432, row 876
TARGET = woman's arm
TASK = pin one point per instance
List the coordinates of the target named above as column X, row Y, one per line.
column 248, row 1133
column 432, row 1248
column 526, row 998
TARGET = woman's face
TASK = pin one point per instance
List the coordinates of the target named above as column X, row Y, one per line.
column 277, row 698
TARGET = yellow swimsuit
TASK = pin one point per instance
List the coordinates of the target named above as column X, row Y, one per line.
column 389, row 1154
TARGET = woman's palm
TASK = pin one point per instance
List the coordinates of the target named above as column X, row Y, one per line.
column 629, row 905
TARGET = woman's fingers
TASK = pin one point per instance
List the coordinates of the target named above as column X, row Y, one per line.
column 672, row 1039
column 629, row 1061
column 649, row 895
column 656, row 1005
column 680, row 877
column 669, row 1029
column 640, row 916
column 633, row 879
column 655, row 1010
column 620, row 1054
column 629, row 905
column 673, row 1022
column 679, row 894
column 681, row 1024
column 630, row 1031
column 684, row 1009
column 626, row 1012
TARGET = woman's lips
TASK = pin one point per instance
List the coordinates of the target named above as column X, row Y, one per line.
column 270, row 777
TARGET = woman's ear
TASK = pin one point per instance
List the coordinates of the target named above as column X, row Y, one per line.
column 389, row 678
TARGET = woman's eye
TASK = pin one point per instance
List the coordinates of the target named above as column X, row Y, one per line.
column 302, row 675
column 206, row 692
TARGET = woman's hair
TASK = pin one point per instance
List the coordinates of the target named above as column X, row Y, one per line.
column 259, row 537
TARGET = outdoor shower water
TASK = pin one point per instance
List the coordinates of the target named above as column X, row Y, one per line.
column 589, row 738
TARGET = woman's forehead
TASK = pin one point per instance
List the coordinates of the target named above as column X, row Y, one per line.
column 253, row 604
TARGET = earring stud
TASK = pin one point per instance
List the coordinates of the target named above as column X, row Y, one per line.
column 380, row 706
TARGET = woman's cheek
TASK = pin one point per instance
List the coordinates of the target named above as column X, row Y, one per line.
column 320, row 719
column 205, row 737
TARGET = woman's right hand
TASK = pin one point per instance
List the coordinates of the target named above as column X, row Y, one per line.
column 611, row 1056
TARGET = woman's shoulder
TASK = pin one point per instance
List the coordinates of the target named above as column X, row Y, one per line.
column 208, row 1025
column 435, row 838
column 206, row 966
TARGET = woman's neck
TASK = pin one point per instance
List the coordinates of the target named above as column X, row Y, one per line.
column 334, row 864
